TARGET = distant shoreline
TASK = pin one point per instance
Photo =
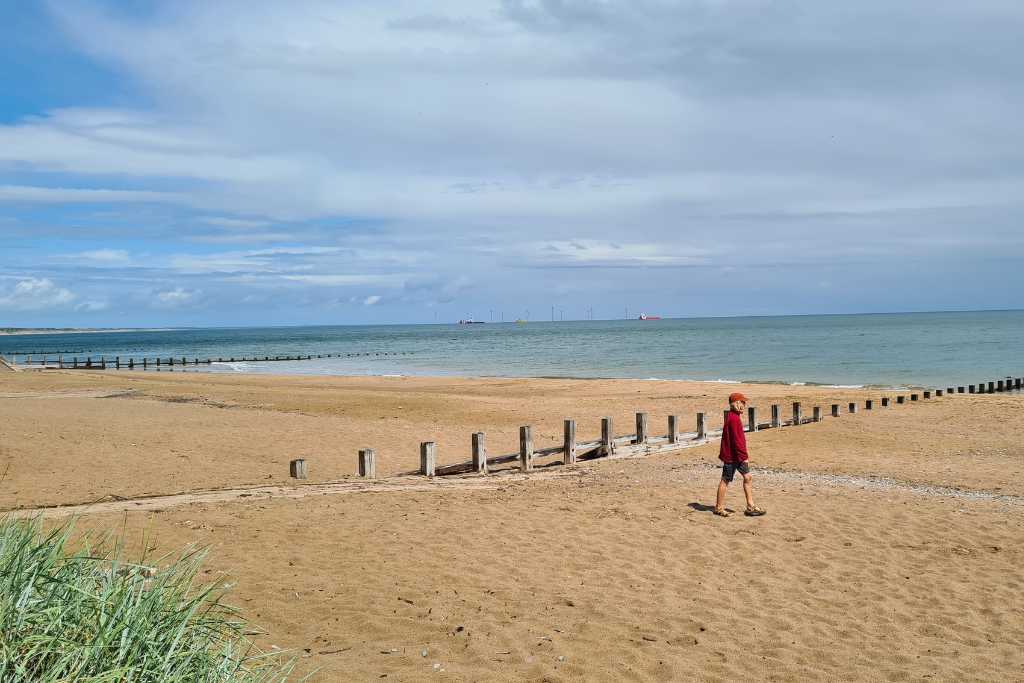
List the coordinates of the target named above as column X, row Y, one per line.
column 17, row 332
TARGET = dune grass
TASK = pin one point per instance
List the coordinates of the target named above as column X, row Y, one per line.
column 75, row 610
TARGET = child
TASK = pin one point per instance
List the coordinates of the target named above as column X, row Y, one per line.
column 733, row 454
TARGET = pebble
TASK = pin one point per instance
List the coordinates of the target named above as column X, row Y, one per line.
column 423, row 653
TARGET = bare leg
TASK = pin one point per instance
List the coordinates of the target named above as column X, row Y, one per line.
column 748, row 489
column 723, row 486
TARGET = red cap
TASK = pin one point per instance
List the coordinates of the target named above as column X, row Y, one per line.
column 737, row 396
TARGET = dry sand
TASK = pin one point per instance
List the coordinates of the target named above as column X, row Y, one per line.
column 891, row 550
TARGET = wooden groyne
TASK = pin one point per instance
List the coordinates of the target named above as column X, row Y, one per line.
column 641, row 442
column 74, row 362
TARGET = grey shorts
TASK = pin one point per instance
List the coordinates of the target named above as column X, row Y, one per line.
column 731, row 468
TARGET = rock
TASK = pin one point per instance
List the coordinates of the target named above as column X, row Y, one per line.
column 423, row 653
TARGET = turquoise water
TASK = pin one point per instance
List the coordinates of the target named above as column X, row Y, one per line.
column 927, row 349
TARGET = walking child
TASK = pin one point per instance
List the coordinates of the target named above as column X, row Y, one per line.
column 733, row 454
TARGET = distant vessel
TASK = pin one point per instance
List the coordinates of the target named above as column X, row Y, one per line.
column 644, row 316
column 470, row 321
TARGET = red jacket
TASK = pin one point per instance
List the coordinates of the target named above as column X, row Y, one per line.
column 734, row 441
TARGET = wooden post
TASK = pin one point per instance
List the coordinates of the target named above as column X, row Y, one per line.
column 970, row 388
column 900, row 399
column 569, row 442
column 479, row 453
column 959, row 390
column 641, row 428
column 1017, row 383
column 885, row 401
column 913, row 397
column 869, row 404
column 999, row 385
column 60, row 361
column 673, row 429
column 367, row 463
column 817, row 414
column 702, row 432
column 835, row 410
column 938, row 393
column 131, row 363
column 428, row 458
column 927, row 394
column 991, row 387
column 526, row 448
column 796, row 413
column 297, row 468
column 607, row 436
column 776, row 420
column 751, row 419
column 949, row 390
column 117, row 362
column 75, row 366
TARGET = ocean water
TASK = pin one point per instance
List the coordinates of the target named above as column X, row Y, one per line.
column 905, row 349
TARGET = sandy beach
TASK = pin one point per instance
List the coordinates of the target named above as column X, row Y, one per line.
column 891, row 550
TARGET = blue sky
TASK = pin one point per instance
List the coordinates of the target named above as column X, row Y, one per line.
column 238, row 163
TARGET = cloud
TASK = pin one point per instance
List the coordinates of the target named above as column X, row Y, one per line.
column 176, row 298
column 103, row 256
column 65, row 195
column 34, row 294
column 371, row 300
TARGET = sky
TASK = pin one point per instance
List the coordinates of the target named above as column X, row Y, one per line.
column 222, row 162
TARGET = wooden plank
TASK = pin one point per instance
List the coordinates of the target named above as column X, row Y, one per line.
column 368, row 463
column 607, row 436
column 641, row 428
column 479, row 453
column 776, row 416
column 428, row 458
column 526, row 448
column 701, row 426
column 297, row 469
column 569, row 442
column 673, row 429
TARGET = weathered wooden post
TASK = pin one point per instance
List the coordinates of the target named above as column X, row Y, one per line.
column 144, row 362
column 75, row 360
column 900, row 399
column 959, row 390
column 607, row 436
column 117, row 362
column 641, row 428
column 479, row 453
column 526, row 448
column 949, row 390
column 885, row 401
column 816, row 414
column 103, row 362
column 776, row 420
column 852, row 407
column 927, row 394
column 702, row 432
column 1017, row 382
column 796, row 413
column 999, row 385
column 297, row 468
column 751, row 419
column 60, row 361
column 428, row 458
column 913, row 397
column 569, row 442
column 991, row 387
column 938, row 393
column 131, row 363
column 673, row 429
column 970, row 388
column 367, row 463
column 869, row 404
column 835, row 410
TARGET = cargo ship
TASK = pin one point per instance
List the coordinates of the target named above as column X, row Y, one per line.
column 644, row 316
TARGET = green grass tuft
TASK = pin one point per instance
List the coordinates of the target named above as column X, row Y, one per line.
column 87, row 615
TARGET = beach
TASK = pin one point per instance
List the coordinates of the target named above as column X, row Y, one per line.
column 891, row 549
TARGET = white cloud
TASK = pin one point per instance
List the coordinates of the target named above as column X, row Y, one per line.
column 371, row 300
column 66, row 195
column 33, row 294
column 103, row 256
column 176, row 298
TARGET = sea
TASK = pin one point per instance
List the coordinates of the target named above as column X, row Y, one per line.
column 882, row 350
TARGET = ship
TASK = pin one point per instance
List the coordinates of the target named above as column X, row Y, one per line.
column 470, row 321
column 644, row 316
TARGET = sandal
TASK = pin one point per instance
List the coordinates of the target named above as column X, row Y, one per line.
column 754, row 512
column 722, row 512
